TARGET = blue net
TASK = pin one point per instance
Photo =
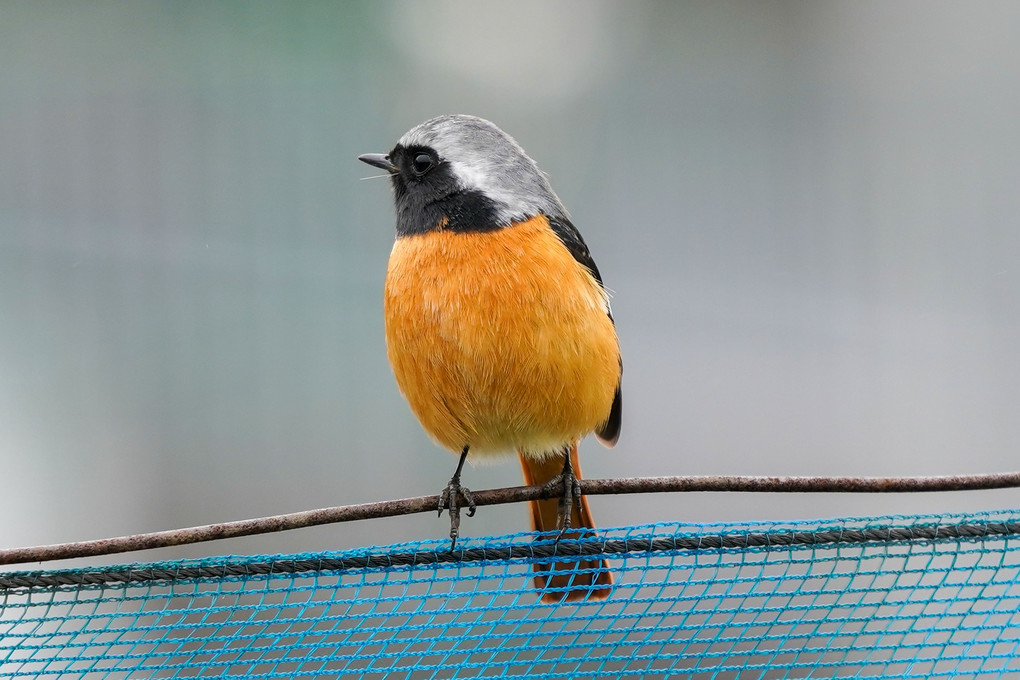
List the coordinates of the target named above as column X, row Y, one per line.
column 905, row 597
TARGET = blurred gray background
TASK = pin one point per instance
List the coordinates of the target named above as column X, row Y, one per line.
column 807, row 213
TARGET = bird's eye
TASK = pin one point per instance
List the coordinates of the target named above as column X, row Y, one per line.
column 421, row 164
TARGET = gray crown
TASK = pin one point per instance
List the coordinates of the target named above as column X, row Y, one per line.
column 484, row 158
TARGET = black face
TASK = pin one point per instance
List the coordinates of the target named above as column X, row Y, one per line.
column 428, row 197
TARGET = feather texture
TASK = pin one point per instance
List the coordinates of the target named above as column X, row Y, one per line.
column 500, row 340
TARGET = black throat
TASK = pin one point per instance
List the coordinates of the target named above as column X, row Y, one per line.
column 434, row 200
column 459, row 212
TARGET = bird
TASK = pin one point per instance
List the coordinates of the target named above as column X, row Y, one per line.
column 498, row 327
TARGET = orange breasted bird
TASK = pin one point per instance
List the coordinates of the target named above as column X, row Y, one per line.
column 498, row 326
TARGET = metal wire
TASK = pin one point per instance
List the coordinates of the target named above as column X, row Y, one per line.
column 592, row 487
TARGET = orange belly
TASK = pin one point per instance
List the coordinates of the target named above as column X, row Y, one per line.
column 500, row 340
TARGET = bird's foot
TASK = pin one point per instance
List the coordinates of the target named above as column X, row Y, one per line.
column 568, row 487
column 453, row 498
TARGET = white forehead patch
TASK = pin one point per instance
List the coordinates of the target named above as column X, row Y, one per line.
column 484, row 158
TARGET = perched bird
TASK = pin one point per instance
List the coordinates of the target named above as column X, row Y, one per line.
column 498, row 327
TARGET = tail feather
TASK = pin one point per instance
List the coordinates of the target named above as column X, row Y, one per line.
column 565, row 581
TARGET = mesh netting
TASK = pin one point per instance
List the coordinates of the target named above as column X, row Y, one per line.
column 905, row 597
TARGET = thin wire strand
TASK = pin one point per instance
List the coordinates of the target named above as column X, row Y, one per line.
column 516, row 494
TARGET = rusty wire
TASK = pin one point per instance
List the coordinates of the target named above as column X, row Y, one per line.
column 517, row 494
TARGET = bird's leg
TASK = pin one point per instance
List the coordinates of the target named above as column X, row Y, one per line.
column 570, row 494
column 451, row 498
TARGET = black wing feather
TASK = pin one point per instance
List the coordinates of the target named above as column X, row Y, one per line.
column 608, row 432
column 571, row 238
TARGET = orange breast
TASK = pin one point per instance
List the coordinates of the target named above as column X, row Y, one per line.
column 499, row 340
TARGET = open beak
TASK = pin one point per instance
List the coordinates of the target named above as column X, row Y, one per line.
column 379, row 160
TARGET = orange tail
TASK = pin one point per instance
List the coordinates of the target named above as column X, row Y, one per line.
column 586, row 579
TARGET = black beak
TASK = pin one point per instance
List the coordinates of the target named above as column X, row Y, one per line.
column 379, row 160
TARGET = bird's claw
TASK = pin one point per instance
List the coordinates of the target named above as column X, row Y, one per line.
column 568, row 487
column 451, row 499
